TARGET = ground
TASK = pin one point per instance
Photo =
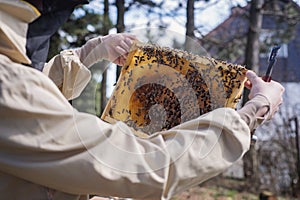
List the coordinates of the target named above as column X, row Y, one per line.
column 221, row 189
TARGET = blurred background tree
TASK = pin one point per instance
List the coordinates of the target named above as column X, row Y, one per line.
column 86, row 23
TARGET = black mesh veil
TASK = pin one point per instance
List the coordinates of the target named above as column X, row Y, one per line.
column 53, row 14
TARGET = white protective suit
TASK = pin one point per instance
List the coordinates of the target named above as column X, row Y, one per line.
column 51, row 151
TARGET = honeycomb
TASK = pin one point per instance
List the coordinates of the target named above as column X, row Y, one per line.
column 161, row 87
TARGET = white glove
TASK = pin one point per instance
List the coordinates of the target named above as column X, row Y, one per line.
column 272, row 91
column 265, row 99
column 113, row 47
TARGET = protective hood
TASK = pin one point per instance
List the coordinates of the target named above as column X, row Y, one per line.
column 54, row 14
column 14, row 18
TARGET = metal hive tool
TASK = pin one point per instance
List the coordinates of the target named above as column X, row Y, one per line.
column 161, row 87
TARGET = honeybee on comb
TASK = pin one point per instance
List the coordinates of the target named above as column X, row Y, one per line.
column 160, row 87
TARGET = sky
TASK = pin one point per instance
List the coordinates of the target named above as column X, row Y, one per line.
column 208, row 14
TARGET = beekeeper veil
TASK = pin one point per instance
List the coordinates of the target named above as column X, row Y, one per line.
column 53, row 14
column 14, row 18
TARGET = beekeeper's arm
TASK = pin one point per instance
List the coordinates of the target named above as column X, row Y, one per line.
column 45, row 141
column 69, row 70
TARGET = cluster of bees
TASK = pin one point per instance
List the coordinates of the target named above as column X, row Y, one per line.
column 160, row 88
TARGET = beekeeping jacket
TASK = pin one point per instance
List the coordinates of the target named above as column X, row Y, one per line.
column 49, row 150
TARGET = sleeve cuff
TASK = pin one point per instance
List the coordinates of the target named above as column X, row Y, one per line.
column 252, row 113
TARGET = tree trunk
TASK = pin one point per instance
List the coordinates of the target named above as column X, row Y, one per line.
column 104, row 75
column 252, row 62
column 255, row 23
column 120, row 25
column 296, row 186
column 190, row 26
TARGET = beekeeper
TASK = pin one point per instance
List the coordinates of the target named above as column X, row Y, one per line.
column 51, row 151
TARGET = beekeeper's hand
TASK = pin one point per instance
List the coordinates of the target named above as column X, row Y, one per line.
column 271, row 91
column 113, row 47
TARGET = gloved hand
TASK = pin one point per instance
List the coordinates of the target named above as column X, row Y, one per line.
column 113, row 47
column 271, row 91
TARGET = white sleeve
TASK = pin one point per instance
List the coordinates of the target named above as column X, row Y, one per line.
column 51, row 144
column 68, row 73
